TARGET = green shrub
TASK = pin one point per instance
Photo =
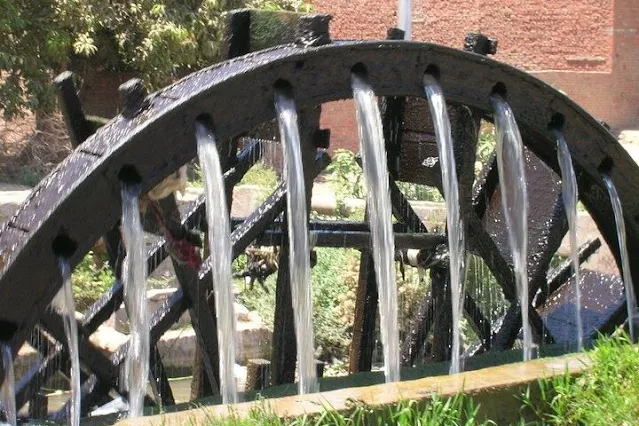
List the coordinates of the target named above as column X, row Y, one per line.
column 345, row 175
column 605, row 394
column 90, row 282
column 333, row 282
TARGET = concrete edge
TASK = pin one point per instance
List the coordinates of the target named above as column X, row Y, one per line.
column 490, row 382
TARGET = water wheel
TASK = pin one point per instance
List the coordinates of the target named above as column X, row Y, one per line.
column 154, row 136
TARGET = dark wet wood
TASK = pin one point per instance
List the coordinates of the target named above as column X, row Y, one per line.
column 284, row 346
column 562, row 273
column 360, row 240
column 465, row 124
column 366, row 305
column 258, row 373
column 196, row 292
column 443, row 313
column 419, row 331
column 160, row 380
column 602, row 306
column 480, row 324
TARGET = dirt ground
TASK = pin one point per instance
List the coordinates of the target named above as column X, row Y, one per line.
column 29, row 151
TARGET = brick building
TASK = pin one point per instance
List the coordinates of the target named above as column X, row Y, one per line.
column 589, row 49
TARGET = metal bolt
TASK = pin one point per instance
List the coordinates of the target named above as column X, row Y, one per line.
column 479, row 43
column 322, row 138
column 395, row 33
column 132, row 98
column 313, row 30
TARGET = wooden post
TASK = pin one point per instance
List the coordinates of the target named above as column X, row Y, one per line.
column 257, row 374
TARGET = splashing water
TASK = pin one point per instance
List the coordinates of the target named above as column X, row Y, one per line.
column 220, row 248
column 374, row 163
column 299, row 256
column 456, row 237
column 405, row 17
column 514, row 201
column 570, row 197
column 137, row 363
column 631, row 302
column 7, row 392
column 65, row 305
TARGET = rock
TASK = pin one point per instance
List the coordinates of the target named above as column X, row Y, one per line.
column 190, row 194
column 156, row 298
column 254, row 341
column 27, row 357
column 164, row 275
column 431, row 213
column 241, row 312
column 245, row 200
column 11, row 197
column 175, row 182
column 107, row 339
column 177, row 347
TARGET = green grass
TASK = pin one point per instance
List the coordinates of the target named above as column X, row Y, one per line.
column 606, row 394
column 262, row 175
column 458, row 410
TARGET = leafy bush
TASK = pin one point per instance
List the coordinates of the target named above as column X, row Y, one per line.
column 333, row 292
column 417, row 192
column 90, row 282
column 159, row 39
column 348, row 180
column 261, row 175
column 346, row 175
column 485, row 145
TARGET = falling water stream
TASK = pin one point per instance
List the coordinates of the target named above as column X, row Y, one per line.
column 374, row 164
column 405, row 17
column 456, row 238
column 570, row 197
column 65, row 305
column 514, row 201
column 7, row 391
column 631, row 302
column 299, row 257
column 137, row 363
column 220, row 252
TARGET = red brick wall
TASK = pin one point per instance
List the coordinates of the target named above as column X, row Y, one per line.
column 99, row 91
column 587, row 48
column 340, row 118
column 611, row 96
column 533, row 34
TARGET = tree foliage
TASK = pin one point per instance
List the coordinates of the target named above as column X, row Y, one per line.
column 159, row 39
